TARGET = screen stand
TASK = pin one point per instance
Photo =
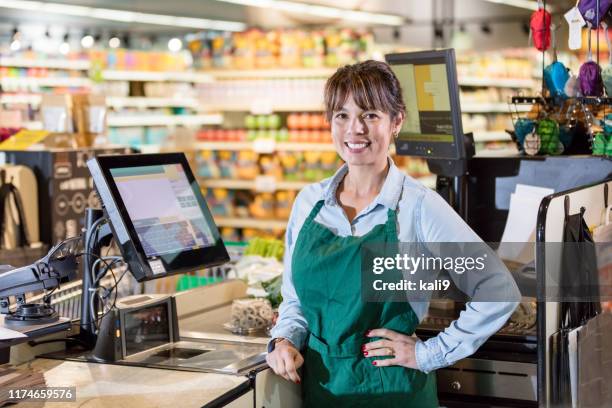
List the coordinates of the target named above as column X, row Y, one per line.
column 92, row 250
column 451, row 182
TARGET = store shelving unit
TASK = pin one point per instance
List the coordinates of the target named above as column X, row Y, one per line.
column 233, row 222
column 144, row 102
column 256, row 185
column 77, row 65
column 164, row 120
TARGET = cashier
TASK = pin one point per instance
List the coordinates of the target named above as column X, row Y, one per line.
column 356, row 353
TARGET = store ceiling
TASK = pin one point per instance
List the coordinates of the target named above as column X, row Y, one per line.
column 418, row 12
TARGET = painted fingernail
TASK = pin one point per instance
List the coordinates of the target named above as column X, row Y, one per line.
column 365, row 353
column 298, row 381
column 363, row 347
column 368, row 332
column 373, row 362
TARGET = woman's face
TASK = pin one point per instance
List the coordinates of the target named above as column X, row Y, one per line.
column 362, row 137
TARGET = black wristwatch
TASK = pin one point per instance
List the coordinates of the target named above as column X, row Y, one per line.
column 272, row 343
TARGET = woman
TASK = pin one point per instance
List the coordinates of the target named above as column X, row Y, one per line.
column 356, row 353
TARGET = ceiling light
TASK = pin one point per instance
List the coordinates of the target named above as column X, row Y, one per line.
column 114, row 42
column 323, row 11
column 64, row 47
column 122, row 15
column 87, row 41
column 175, row 45
column 15, row 45
column 525, row 4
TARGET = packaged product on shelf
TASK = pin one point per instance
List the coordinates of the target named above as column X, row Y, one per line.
column 129, row 136
column 230, row 234
column 246, row 165
column 329, row 164
column 206, row 164
column 270, row 166
column 220, row 201
column 242, row 199
column 56, row 112
column 284, row 201
column 311, row 166
column 262, row 206
column 226, row 161
column 156, row 135
column 291, row 163
column 90, row 116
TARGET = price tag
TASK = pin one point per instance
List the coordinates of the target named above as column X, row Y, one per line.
column 264, row 145
column 265, row 184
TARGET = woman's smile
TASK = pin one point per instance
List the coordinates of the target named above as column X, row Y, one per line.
column 357, row 147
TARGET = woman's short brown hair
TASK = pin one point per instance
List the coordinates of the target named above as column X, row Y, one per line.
column 372, row 84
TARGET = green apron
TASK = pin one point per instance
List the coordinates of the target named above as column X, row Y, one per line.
column 326, row 272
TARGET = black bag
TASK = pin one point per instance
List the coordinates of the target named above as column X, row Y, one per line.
column 579, row 282
column 24, row 254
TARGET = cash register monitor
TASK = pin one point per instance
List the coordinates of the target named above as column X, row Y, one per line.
column 432, row 128
column 158, row 216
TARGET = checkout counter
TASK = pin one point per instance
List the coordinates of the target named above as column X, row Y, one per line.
column 145, row 350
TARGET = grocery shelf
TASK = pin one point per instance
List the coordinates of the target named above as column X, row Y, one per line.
column 32, row 99
column 112, row 101
column 250, row 223
column 232, row 184
column 150, row 102
column 155, row 76
column 164, row 120
column 272, row 146
column 497, row 82
column 493, row 107
column 271, row 73
column 70, row 82
column 263, row 108
column 80, row 65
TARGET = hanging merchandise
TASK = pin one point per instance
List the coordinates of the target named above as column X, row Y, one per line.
column 523, row 127
column 600, row 142
column 540, row 28
column 555, row 74
column 588, row 9
column 576, row 22
column 589, row 76
column 532, row 144
column 548, row 131
column 606, row 74
column 571, row 87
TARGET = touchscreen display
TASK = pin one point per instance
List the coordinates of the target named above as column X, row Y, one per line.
column 163, row 208
column 146, row 328
column 427, row 98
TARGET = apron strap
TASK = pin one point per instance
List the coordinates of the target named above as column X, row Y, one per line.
column 391, row 224
column 314, row 212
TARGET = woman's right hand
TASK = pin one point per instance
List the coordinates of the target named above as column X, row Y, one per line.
column 285, row 360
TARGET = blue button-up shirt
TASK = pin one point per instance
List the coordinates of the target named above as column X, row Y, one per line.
column 422, row 216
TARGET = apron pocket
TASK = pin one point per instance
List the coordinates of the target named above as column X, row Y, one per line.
column 396, row 379
column 341, row 372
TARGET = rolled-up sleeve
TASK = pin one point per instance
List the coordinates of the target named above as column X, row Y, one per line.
column 438, row 222
column 291, row 323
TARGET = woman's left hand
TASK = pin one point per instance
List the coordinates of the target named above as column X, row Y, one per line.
column 400, row 347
